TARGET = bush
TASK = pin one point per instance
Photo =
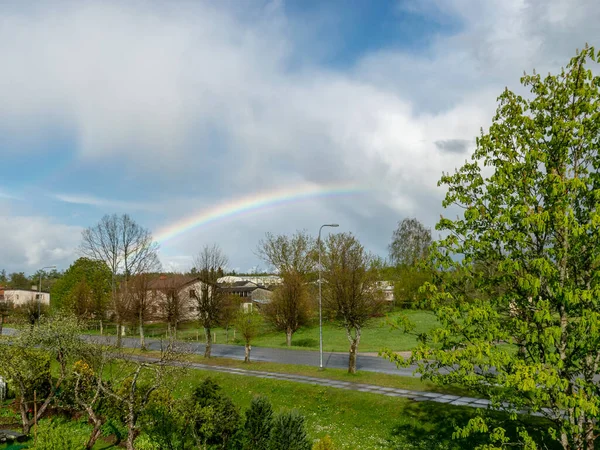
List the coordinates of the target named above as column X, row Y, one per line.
column 59, row 435
column 215, row 418
column 324, row 444
column 289, row 432
column 259, row 421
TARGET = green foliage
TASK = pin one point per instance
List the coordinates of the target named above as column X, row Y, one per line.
column 60, row 435
column 521, row 266
column 164, row 422
column 215, row 419
column 259, row 421
column 410, row 243
column 324, row 444
column 84, row 289
column 289, row 432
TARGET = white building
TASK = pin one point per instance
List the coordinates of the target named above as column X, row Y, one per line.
column 259, row 280
column 19, row 297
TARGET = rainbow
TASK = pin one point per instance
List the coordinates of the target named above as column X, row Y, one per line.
column 252, row 203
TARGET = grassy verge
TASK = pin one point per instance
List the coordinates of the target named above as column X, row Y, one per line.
column 364, row 377
column 374, row 337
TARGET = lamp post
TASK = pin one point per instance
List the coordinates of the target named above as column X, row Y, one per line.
column 40, row 290
column 320, row 313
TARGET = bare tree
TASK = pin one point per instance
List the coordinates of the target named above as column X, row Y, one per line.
column 292, row 257
column 126, row 247
column 171, row 300
column 350, row 291
column 209, row 264
column 141, row 303
column 410, row 243
column 231, row 305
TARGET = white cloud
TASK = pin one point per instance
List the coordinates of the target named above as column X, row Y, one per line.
column 201, row 88
column 91, row 200
column 27, row 243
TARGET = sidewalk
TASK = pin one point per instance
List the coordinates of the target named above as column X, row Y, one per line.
column 418, row 396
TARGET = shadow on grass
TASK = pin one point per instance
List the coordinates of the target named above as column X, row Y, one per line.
column 431, row 425
column 308, row 342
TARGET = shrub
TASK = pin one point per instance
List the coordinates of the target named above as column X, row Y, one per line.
column 259, row 421
column 215, row 418
column 289, row 432
column 324, row 444
column 59, row 435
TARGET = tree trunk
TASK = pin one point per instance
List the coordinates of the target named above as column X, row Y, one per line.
column 141, row 325
column 101, row 328
column 96, row 432
column 208, row 347
column 24, row 419
column 248, row 347
column 1, row 323
column 119, row 331
column 131, row 435
column 227, row 334
column 288, row 337
column 354, row 341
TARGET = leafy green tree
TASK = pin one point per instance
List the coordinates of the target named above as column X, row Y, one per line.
column 289, row 432
column 18, row 280
column 25, row 361
column 259, row 421
column 410, row 243
column 521, row 265
column 83, row 290
column 248, row 324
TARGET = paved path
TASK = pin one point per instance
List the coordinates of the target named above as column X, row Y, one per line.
column 418, row 396
column 301, row 357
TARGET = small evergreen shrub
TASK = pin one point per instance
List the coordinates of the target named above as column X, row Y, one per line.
column 289, row 432
column 259, row 421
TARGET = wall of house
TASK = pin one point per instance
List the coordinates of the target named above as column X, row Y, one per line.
column 20, row 297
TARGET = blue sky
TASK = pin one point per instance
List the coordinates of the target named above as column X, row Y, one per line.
column 167, row 109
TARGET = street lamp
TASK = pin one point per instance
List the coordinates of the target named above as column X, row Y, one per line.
column 320, row 314
column 40, row 290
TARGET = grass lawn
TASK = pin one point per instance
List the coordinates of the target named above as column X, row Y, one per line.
column 376, row 336
column 364, row 377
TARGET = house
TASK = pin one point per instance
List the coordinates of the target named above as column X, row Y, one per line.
column 387, row 287
column 249, row 291
column 175, row 295
column 20, row 297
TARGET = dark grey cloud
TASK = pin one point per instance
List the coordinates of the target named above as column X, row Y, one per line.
column 453, row 145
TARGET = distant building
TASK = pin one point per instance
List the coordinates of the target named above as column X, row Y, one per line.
column 19, row 297
column 387, row 287
column 267, row 281
column 249, row 291
column 176, row 292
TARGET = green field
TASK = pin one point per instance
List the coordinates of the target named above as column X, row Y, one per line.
column 374, row 337
column 354, row 420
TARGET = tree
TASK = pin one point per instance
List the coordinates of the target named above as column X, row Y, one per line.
column 527, row 247
column 126, row 248
column 293, row 259
column 258, row 424
column 171, row 301
column 231, row 306
column 210, row 299
column 18, row 280
column 26, row 362
column 410, row 243
column 140, row 303
column 350, row 292
column 84, row 290
column 289, row 432
column 248, row 324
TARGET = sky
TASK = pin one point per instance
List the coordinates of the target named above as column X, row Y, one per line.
column 216, row 122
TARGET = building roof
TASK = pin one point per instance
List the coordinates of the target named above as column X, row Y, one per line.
column 172, row 281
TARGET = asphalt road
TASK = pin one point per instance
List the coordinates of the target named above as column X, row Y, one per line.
column 302, row 357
